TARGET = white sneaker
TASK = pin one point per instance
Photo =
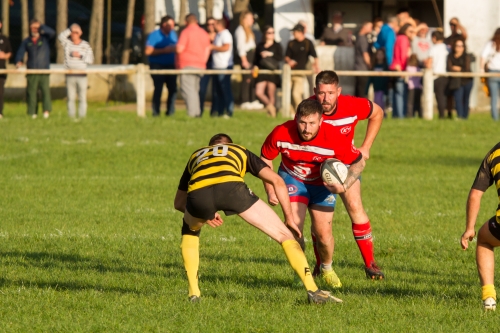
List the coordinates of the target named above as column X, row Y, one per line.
column 246, row 106
column 256, row 105
column 489, row 304
column 34, row 116
column 46, row 114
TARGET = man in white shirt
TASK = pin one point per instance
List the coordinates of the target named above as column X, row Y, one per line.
column 222, row 57
column 77, row 55
column 437, row 61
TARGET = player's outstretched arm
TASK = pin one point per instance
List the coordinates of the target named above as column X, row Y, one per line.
column 473, row 205
column 281, row 192
column 374, row 124
column 272, row 199
column 180, row 201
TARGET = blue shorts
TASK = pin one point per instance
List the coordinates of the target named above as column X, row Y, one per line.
column 310, row 195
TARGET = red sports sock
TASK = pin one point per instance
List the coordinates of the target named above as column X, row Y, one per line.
column 363, row 236
column 316, row 253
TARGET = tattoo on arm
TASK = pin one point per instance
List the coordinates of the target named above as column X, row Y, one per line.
column 354, row 172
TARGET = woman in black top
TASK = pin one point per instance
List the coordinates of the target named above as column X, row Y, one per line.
column 460, row 87
column 268, row 55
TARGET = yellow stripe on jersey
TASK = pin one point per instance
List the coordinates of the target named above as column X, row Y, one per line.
column 495, row 168
column 216, row 164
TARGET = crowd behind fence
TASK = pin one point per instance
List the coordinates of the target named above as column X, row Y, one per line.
column 142, row 74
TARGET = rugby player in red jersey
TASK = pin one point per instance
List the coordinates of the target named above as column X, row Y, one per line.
column 344, row 112
column 304, row 143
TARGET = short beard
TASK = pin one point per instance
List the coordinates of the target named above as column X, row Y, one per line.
column 329, row 111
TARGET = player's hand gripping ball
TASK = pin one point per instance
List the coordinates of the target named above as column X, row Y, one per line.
column 333, row 171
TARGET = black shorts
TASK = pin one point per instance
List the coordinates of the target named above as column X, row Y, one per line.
column 494, row 227
column 231, row 197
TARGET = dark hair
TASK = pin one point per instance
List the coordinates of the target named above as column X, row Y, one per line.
column 165, row 19
column 309, row 107
column 404, row 28
column 454, row 45
column 413, row 61
column 191, row 18
column 496, row 39
column 438, row 35
column 267, row 27
column 327, row 77
column 220, row 138
column 221, row 22
column 32, row 21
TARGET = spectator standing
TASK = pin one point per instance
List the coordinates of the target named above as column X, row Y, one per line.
column 460, row 87
column 193, row 50
column 438, row 56
column 222, row 55
column 414, row 88
column 5, row 54
column 268, row 55
column 77, row 55
column 245, row 46
column 403, row 15
column 38, row 48
column 297, row 55
column 205, row 80
column 362, row 57
column 336, row 34
column 380, row 83
column 387, row 38
column 401, row 54
column 490, row 62
column 421, row 45
column 457, row 32
column 160, row 49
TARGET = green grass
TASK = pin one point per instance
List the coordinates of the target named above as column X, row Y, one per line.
column 89, row 239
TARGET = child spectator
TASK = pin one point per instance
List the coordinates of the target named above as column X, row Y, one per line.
column 380, row 83
column 414, row 88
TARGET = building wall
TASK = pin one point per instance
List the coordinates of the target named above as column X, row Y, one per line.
column 288, row 13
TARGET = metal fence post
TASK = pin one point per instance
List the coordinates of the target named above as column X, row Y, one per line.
column 428, row 83
column 286, row 90
column 141, row 89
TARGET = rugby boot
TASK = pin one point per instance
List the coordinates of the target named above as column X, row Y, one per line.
column 330, row 278
column 194, row 299
column 489, row 304
column 373, row 272
column 321, row 297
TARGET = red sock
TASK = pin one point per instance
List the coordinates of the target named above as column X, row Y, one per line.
column 363, row 236
column 316, row 253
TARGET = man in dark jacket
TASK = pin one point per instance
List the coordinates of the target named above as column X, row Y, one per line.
column 38, row 49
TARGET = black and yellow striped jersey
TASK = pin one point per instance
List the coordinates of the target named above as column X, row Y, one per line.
column 489, row 173
column 217, row 164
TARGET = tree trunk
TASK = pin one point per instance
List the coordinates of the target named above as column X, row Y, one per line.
column 209, row 7
column 149, row 21
column 61, row 25
column 39, row 10
column 24, row 19
column 96, row 29
column 128, row 32
column 182, row 13
column 5, row 16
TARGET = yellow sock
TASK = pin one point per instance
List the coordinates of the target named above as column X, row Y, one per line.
column 298, row 261
column 489, row 291
column 191, row 254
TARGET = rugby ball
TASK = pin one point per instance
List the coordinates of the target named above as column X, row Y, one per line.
column 333, row 171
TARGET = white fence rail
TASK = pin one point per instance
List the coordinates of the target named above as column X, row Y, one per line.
column 142, row 72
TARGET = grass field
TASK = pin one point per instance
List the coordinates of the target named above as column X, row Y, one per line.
column 89, row 239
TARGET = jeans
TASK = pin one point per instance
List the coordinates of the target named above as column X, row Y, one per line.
column 440, row 91
column 400, row 102
column 205, row 80
column 77, row 85
column 414, row 107
column 221, row 87
column 379, row 99
column 159, row 81
column 494, row 86
column 462, row 95
column 360, row 88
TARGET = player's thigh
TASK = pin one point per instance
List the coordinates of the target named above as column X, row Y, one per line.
column 194, row 223
column 353, row 203
column 489, row 233
column 321, row 208
column 299, row 196
column 266, row 220
column 321, row 223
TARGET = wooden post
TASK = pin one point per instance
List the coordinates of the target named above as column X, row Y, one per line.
column 428, row 83
column 286, row 90
column 141, row 90
column 5, row 17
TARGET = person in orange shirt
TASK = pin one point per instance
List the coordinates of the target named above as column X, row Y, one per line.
column 193, row 50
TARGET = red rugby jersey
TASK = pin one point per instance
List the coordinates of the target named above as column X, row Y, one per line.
column 302, row 159
column 349, row 111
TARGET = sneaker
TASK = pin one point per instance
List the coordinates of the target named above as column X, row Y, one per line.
column 246, row 106
column 194, row 299
column 256, row 105
column 330, row 278
column 320, row 297
column 373, row 272
column 46, row 114
column 489, row 304
column 34, row 116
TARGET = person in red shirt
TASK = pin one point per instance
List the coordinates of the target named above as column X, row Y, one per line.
column 304, row 143
column 344, row 112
